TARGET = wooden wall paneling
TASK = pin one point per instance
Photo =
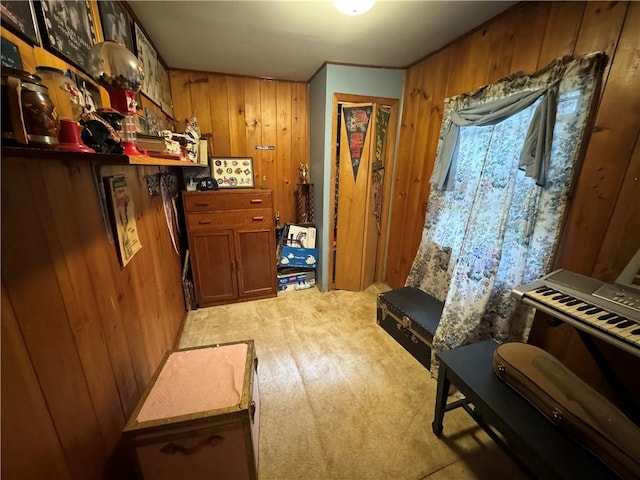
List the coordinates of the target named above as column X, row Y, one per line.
column 607, row 157
column 218, row 100
column 200, row 101
column 401, row 178
column 132, row 311
column 286, row 178
column 30, row 279
column 502, row 38
column 140, row 274
column 145, row 266
column 526, row 35
column 268, row 107
column 414, row 216
column 237, row 120
column 456, row 83
column 156, row 241
column 65, row 241
column 561, row 32
column 622, row 238
column 181, row 93
column 253, row 124
column 621, row 242
column 477, row 71
column 30, row 446
column 168, row 271
column 107, row 295
column 437, row 92
column 600, row 30
column 299, row 127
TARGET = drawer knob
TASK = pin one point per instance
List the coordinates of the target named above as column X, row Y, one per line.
column 204, row 222
column 202, row 204
column 256, row 200
column 258, row 219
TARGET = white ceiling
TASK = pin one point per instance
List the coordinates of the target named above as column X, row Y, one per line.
column 290, row 40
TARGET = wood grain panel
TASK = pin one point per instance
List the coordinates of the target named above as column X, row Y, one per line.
column 30, row 279
column 432, row 131
column 561, row 32
column 285, row 175
column 607, row 157
column 424, row 102
column 219, row 115
column 71, row 267
column 600, row 30
column 102, row 281
column 299, row 127
column 200, row 102
column 253, row 125
column 622, row 238
column 527, row 33
column 395, row 274
column 502, row 44
column 30, row 446
column 268, row 108
column 94, row 332
column 237, row 119
column 245, row 112
column 181, row 94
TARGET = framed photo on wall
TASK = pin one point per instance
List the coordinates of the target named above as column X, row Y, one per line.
column 232, row 172
column 68, row 29
column 19, row 17
column 116, row 23
column 149, row 59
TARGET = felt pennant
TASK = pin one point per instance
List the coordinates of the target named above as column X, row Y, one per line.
column 357, row 123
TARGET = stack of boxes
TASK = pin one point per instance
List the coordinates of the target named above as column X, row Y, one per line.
column 297, row 257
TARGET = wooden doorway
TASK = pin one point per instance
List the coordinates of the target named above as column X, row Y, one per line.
column 362, row 167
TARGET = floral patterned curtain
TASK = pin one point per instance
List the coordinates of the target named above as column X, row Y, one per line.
column 495, row 228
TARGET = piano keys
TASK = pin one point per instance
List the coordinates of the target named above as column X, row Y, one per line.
column 610, row 312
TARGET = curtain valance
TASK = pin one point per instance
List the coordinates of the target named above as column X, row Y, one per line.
column 492, row 104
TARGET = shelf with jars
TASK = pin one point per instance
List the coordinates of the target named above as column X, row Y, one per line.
column 105, row 158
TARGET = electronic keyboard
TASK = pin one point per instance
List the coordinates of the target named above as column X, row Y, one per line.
column 610, row 312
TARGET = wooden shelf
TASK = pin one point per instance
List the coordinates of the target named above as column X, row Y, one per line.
column 106, row 158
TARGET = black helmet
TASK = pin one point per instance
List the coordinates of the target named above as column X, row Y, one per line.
column 207, row 183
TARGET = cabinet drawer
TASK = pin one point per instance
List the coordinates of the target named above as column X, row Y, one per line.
column 211, row 201
column 208, row 221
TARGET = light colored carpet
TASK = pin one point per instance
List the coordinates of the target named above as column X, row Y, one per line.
column 340, row 399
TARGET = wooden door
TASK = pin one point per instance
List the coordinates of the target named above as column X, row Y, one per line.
column 214, row 266
column 361, row 158
column 256, row 261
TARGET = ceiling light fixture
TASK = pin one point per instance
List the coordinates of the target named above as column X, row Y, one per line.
column 353, row 7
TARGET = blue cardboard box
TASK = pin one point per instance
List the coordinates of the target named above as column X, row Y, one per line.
column 298, row 257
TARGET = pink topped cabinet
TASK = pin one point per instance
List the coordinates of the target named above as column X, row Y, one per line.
column 199, row 416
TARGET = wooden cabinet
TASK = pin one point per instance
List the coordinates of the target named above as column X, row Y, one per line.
column 231, row 244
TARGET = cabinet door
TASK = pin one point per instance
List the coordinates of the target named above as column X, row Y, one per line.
column 257, row 261
column 214, row 266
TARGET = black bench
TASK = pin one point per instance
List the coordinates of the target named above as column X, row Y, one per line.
column 526, row 434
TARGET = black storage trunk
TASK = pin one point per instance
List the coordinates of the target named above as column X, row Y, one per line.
column 411, row 317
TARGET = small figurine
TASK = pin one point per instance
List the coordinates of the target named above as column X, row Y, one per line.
column 304, row 173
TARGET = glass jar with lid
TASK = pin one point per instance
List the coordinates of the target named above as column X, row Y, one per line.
column 64, row 92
